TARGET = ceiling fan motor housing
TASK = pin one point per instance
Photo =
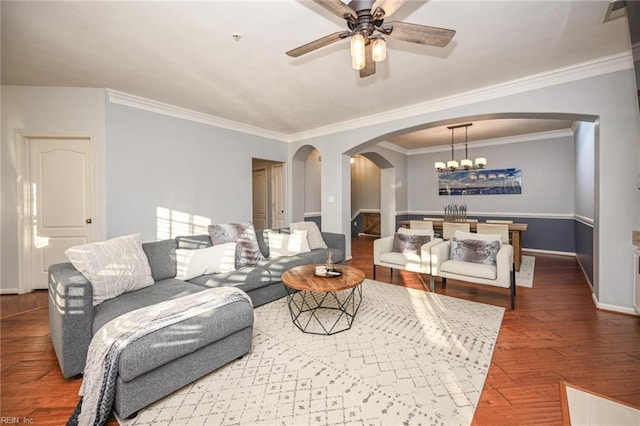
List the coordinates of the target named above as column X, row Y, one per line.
column 365, row 23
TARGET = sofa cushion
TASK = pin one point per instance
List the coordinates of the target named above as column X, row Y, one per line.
column 400, row 259
column 278, row 265
column 194, row 241
column 246, row 279
column 211, row 260
column 162, row 258
column 113, row 267
column 319, row 256
column 469, row 269
column 177, row 340
column 159, row 292
column 248, row 251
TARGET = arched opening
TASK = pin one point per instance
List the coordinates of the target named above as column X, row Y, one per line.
column 560, row 170
column 306, row 187
column 373, row 198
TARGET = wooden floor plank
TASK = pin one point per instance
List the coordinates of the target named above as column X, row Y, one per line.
column 554, row 334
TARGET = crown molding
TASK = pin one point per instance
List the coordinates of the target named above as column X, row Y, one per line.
column 133, row 101
column 600, row 66
column 580, row 71
column 496, row 141
column 394, row 147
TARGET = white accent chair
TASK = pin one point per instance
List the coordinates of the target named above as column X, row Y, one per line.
column 383, row 254
column 500, row 275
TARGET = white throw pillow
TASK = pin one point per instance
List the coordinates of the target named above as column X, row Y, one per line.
column 211, row 260
column 113, row 267
column 313, row 234
column 281, row 244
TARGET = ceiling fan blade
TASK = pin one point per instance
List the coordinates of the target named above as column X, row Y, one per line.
column 317, row 44
column 369, row 64
column 389, row 6
column 337, row 8
column 420, row 34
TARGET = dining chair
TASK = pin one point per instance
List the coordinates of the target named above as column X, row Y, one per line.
column 420, row 224
column 501, row 229
column 449, row 228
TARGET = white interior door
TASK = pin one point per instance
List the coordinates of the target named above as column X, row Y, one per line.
column 277, row 194
column 260, row 205
column 61, row 202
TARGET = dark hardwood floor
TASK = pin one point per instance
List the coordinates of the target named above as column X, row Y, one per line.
column 555, row 334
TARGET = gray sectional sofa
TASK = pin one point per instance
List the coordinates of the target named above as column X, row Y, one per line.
column 164, row 361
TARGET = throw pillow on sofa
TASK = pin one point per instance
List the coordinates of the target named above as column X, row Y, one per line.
column 113, row 267
column 211, row 260
column 313, row 234
column 247, row 250
column 282, row 244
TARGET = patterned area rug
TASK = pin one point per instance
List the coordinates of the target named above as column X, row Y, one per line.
column 524, row 277
column 411, row 357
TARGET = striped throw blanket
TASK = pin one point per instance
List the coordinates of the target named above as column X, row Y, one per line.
column 101, row 369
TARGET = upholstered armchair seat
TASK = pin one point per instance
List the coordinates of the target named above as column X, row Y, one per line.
column 383, row 255
column 500, row 275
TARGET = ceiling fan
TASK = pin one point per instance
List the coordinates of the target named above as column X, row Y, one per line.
column 367, row 31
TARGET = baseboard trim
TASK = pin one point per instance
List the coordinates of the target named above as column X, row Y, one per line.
column 613, row 308
column 557, row 253
column 9, row 291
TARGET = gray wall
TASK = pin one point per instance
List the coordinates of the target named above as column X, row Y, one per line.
column 608, row 95
column 585, row 169
column 159, row 161
column 585, row 145
column 312, row 184
column 365, row 185
column 547, row 179
column 45, row 111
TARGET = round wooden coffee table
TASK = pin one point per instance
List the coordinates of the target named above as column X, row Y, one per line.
column 323, row 305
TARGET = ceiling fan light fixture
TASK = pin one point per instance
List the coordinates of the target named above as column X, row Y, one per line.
column 357, row 45
column 379, row 49
column 358, row 56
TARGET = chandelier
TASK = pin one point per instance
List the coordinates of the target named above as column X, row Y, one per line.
column 466, row 164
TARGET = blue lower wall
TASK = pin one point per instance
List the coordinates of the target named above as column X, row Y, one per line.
column 541, row 233
column 584, row 248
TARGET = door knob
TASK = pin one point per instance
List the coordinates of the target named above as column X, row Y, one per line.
column 88, row 220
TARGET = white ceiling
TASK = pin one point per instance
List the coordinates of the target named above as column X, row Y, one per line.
column 184, row 54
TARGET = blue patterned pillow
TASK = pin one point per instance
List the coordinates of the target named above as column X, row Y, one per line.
column 475, row 251
column 409, row 244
